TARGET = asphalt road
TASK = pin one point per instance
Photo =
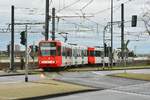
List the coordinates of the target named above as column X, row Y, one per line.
column 104, row 95
column 20, row 78
column 114, row 88
column 110, row 88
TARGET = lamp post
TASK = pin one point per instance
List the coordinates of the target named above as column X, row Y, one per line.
column 12, row 39
column 26, row 54
column 104, row 45
column 111, row 50
column 47, row 20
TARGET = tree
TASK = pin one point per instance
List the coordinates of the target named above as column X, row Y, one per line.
column 131, row 54
column 146, row 17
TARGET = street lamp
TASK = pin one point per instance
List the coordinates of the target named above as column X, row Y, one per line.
column 26, row 58
column 111, row 33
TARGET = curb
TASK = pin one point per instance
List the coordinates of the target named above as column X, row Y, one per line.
column 11, row 74
column 59, row 94
column 128, row 78
column 96, row 88
column 14, row 74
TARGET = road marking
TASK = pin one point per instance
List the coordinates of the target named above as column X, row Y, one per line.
column 125, row 92
column 11, row 82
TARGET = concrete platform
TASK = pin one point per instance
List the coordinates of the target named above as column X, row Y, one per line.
column 35, row 89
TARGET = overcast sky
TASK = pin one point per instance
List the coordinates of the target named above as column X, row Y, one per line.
column 99, row 10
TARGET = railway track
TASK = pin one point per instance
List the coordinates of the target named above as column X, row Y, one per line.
column 78, row 69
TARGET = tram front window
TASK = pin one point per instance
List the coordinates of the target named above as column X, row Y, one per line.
column 48, row 49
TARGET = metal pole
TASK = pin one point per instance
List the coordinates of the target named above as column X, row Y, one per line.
column 53, row 23
column 104, row 46
column 122, row 32
column 34, row 54
column 111, row 51
column 47, row 20
column 26, row 54
column 104, row 40
column 10, row 53
column 12, row 39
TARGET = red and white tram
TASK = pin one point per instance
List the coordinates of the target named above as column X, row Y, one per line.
column 49, row 54
column 56, row 54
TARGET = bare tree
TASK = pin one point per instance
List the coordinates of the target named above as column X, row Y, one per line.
column 146, row 19
column 146, row 16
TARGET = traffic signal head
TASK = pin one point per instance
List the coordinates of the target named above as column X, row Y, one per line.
column 105, row 49
column 134, row 20
column 36, row 48
column 23, row 37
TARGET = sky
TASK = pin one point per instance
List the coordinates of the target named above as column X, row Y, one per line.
column 86, row 29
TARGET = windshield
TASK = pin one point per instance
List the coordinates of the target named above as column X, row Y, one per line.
column 48, row 48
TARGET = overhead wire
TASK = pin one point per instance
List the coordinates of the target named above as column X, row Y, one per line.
column 116, row 6
column 86, row 5
column 76, row 24
column 81, row 8
column 69, row 5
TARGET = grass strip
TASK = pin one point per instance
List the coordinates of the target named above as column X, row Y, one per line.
column 32, row 89
column 137, row 76
column 100, row 68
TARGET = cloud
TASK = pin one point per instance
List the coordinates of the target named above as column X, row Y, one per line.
column 100, row 9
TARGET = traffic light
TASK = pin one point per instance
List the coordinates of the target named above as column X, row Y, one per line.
column 134, row 20
column 105, row 49
column 8, row 49
column 23, row 37
column 36, row 48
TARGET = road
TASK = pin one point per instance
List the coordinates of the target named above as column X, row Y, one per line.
column 20, row 78
column 104, row 95
column 110, row 88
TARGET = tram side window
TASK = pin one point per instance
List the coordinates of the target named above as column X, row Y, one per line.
column 75, row 53
column 85, row 53
column 79, row 53
column 91, row 53
column 97, row 53
column 82, row 53
column 69, row 53
column 59, row 50
column 63, row 52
